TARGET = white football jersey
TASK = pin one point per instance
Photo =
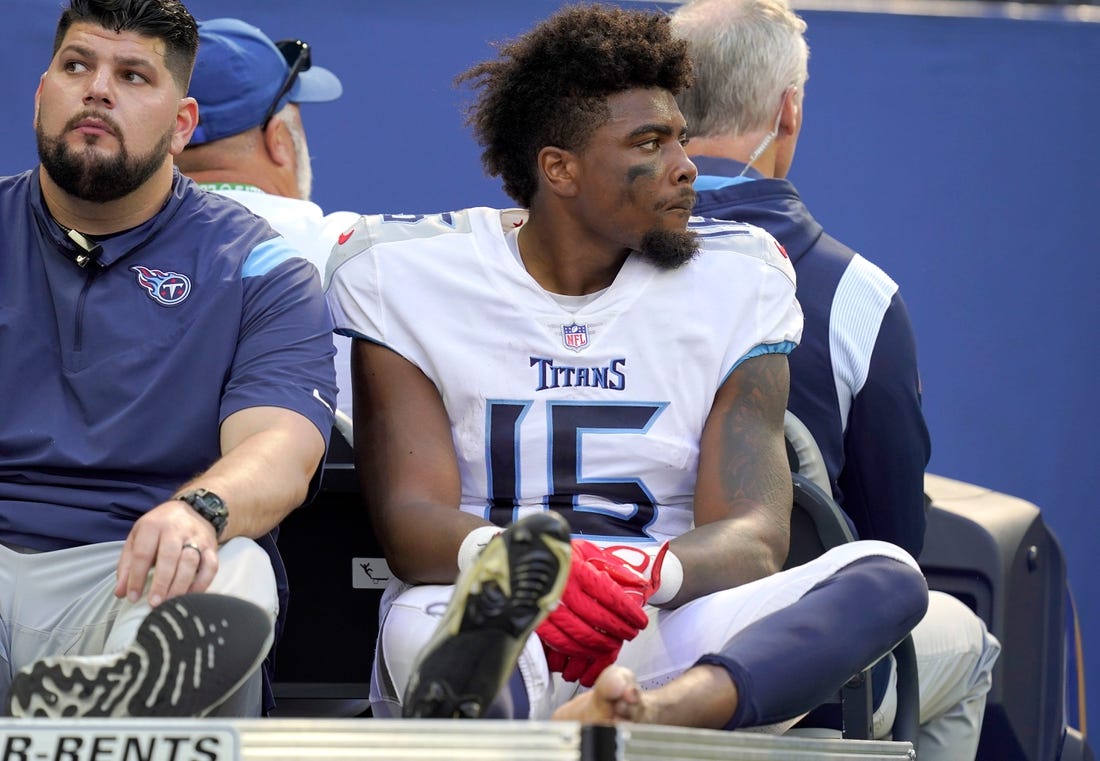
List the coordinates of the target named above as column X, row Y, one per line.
column 595, row 412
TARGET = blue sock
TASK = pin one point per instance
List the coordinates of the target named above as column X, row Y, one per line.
column 794, row 659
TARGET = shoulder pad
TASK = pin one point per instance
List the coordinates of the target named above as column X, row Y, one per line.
column 716, row 235
column 377, row 229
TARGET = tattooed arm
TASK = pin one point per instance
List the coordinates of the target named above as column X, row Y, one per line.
column 743, row 487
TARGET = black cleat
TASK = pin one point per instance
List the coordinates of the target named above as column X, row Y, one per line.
column 512, row 587
column 190, row 653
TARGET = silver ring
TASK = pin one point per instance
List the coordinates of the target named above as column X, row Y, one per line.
column 189, row 546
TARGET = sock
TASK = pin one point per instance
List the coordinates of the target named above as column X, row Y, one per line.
column 794, row 659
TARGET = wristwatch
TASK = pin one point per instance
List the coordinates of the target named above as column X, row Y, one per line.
column 209, row 505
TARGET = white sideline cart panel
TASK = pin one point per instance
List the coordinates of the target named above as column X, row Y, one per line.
column 408, row 740
column 655, row 743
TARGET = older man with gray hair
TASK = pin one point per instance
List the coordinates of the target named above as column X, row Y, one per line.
column 854, row 378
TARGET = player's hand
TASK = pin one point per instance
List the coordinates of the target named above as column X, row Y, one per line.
column 174, row 542
column 599, row 610
column 637, row 570
column 585, row 670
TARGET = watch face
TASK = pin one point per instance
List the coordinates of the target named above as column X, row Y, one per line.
column 214, row 505
column 210, row 506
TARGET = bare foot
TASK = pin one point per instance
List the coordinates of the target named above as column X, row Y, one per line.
column 615, row 697
column 703, row 696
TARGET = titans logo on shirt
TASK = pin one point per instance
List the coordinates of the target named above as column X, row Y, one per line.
column 168, row 288
column 549, row 375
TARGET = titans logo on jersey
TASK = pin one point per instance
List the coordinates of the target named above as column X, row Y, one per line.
column 611, row 376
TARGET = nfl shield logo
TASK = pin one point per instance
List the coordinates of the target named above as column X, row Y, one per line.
column 574, row 336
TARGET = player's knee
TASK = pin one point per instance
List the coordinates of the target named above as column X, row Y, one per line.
column 892, row 585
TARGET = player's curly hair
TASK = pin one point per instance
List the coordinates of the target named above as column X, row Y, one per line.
column 550, row 86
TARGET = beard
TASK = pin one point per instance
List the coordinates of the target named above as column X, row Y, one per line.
column 90, row 176
column 669, row 249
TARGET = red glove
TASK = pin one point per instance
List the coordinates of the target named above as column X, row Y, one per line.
column 599, row 610
column 581, row 669
column 641, row 570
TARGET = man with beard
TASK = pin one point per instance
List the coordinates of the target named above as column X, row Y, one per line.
column 251, row 145
column 593, row 364
column 168, row 391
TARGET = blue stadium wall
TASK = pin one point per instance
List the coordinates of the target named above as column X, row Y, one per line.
column 955, row 145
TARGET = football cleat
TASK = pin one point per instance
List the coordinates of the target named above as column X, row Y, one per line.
column 508, row 591
column 190, row 653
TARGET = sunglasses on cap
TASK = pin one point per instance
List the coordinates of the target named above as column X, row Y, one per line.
column 297, row 57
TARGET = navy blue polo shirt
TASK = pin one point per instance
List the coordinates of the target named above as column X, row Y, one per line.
column 116, row 376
